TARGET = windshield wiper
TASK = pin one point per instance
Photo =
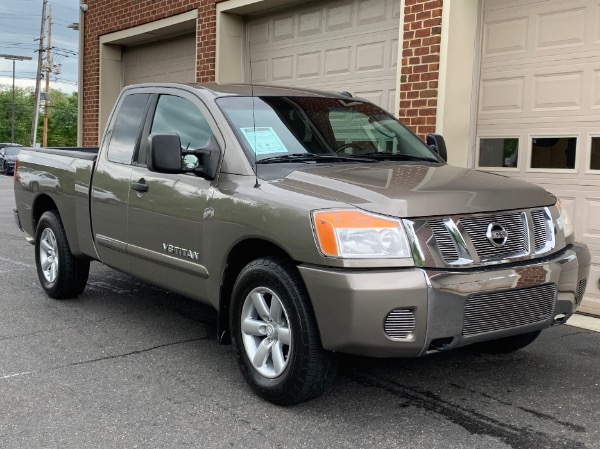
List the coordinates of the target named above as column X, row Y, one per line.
column 404, row 157
column 308, row 157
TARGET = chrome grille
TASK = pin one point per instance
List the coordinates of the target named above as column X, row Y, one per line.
column 518, row 235
column 400, row 323
column 580, row 291
column 541, row 232
column 488, row 312
column 444, row 240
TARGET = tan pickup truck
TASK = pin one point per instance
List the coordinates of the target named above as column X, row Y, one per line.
column 315, row 223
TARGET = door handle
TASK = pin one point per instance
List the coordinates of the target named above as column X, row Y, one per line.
column 139, row 186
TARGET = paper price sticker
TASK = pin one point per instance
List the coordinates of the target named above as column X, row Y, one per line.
column 263, row 140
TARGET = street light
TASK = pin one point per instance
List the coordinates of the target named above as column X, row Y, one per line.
column 14, row 58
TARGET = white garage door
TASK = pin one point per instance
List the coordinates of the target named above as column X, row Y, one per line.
column 172, row 61
column 539, row 106
column 331, row 45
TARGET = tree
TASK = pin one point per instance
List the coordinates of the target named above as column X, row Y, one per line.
column 62, row 119
column 23, row 114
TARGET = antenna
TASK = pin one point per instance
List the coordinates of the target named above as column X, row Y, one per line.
column 256, row 184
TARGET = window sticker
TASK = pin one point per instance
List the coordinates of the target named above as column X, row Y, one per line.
column 263, row 140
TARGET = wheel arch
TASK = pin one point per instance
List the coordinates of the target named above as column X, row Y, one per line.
column 42, row 204
column 241, row 255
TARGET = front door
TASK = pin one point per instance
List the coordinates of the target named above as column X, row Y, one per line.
column 166, row 211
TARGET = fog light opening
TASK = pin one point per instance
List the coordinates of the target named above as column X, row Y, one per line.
column 440, row 344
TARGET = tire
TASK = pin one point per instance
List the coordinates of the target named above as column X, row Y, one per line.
column 291, row 365
column 507, row 344
column 62, row 275
column 5, row 168
column 35, row 186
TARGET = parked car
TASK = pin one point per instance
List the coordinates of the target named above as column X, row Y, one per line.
column 315, row 223
column 8, row 156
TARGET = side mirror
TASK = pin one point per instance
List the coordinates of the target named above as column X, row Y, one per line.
column 164, row 153
column 436, row 143
column 208, row 159
column 166, row 156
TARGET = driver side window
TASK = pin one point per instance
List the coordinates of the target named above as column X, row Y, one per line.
column 181, row 116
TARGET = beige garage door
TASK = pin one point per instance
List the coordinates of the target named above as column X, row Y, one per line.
column 333, row 45
column 539, row 106
column 172, row 60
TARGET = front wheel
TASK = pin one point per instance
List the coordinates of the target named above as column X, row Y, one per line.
column 507, row 344
column 61, row 274
column 275, row 335
column 5, row 168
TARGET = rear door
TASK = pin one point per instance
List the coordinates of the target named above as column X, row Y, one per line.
column 166, row 211
column 110, row 183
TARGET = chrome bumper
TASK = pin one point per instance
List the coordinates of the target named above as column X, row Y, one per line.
column 351, row 307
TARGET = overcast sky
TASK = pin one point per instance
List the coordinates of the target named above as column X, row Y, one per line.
column 20, row 22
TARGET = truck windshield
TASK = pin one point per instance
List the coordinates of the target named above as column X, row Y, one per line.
column 12, row 151
column 277, row 127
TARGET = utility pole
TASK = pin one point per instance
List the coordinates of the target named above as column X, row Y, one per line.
column 36, row 101
column 48, row 71
column 14, row 59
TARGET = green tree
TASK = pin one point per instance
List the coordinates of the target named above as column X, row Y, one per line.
column 23, row 114
column 62, row 118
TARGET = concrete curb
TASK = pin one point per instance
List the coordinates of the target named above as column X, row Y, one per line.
column 585, row 322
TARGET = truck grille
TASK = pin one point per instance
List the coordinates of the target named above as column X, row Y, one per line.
column 516, row 244
column 488, row 312
column 400, row 323
column 541, row 231
column 471, row 232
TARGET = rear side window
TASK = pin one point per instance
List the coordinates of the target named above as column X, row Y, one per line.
column 126, row 131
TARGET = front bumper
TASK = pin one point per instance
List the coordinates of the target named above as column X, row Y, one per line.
column 351, row 306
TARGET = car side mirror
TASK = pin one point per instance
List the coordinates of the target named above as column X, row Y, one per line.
column 437, row 143
column 164, row 153
column 208, row 159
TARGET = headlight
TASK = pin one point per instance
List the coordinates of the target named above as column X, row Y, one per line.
column 563, row 220
column 355, row 234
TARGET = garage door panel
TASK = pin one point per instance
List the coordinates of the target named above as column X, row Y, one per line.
column 540, row 79
column 172, row 60
column 341, row 45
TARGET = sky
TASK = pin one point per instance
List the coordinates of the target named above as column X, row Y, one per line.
column 20, row 22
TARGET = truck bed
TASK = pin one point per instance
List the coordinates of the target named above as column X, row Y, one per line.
column 62, row 176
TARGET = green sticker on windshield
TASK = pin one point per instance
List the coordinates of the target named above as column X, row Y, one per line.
column 263, row 140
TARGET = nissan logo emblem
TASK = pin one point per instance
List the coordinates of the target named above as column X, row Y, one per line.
column 496, row 234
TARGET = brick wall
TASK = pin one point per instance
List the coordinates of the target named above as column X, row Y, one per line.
column 420, row 64
column 109, row 16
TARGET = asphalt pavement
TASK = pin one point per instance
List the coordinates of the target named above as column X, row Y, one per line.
column 128, row 365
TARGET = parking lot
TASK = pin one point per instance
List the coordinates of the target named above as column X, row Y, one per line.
column 129, row 365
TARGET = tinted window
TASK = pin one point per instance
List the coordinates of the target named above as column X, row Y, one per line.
column 553, row 152
column 127, row 128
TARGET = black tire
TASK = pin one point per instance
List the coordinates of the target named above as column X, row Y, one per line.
column 5, row 168
column 507, row 344
column 309, row 369
column 68, row 278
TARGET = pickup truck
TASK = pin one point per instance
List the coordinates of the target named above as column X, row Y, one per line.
column 314, row 222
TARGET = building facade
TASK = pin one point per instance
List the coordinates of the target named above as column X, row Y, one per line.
column 513, row 85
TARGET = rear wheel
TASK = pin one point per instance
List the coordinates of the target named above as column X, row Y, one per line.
column 275, row 335
column 507, row 344
column 61, row 274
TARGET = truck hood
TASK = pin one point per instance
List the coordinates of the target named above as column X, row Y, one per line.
column 416, row 190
